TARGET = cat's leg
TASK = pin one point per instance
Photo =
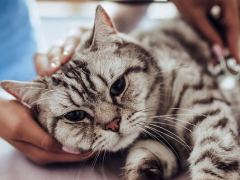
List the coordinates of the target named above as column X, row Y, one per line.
column 150, row 160
column 215, row 154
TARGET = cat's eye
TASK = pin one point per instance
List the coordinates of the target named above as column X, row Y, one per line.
column 75, row 115
column 118, row 87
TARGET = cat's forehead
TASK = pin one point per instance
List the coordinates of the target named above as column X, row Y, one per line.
column 109, row 62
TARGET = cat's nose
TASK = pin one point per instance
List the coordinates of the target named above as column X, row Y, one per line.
column 113, row 125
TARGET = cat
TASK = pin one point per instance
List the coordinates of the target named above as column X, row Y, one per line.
column 150, row 93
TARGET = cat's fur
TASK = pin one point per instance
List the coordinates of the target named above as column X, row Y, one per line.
column 171, row 110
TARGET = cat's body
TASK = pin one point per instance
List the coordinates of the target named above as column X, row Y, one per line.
column 167, row 96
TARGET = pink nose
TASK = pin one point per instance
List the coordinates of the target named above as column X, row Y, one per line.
column 113, row 125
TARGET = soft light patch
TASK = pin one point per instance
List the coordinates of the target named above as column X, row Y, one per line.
column 228, row 83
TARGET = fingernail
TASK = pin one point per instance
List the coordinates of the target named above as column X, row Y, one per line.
column 65, row 52
column 217, row 50
column 55, row 62
column 66, row 149
column 68, row 49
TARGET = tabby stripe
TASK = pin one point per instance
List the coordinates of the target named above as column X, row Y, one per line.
column 201, row 84
column 77, row 91
column 214, row 139
column 204, row 101
column 217, row 162
column 111, row 73
column 208, row 140
column 54, row 125
column 83, row 137
column 64, row 106
column 87, row 74
column 209, row 171
column 79, row 64
column 79, row 132
column 184, row 89
column 72, row 101
column 90, row 94
column 210, row 100
column 154, row 85
column 213, row 86
column 221, row 123
column 56, row 81
column 42, row 80
column 173, row 77
column 103, row 79
column 136, row 69
column 198, row 119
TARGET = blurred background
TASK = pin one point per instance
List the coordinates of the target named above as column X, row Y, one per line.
column 30, row 26
column 57, row 16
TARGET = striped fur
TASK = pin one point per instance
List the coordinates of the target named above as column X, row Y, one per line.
column 171, row 109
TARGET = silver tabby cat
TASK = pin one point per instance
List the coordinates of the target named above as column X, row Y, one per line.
column 150, row 93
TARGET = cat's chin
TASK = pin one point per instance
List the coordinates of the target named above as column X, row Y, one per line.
column 124, row 142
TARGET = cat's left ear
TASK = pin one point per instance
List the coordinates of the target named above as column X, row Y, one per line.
column 27, row 92
column 104, row 31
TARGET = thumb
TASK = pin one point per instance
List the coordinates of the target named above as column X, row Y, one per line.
column 34, row 134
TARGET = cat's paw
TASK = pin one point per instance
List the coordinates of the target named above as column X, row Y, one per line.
column 147, row 170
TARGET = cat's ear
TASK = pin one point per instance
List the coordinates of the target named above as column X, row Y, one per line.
column 27, row 92
column 104, row 31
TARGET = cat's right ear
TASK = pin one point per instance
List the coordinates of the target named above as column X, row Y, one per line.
column 104, row 31
column 27, row 92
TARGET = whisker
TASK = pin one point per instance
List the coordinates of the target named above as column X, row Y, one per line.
column 102, row 168
column 177, row 67
column 34, row 88
column 190, row 111
column 172, row 120
column 173, row 150
column 184, row 145
column 95, row 160
column 175, row 127
column 172, row 134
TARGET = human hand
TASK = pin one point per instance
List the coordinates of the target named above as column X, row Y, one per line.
column 197, row 13
column 47, row 64
column 18, row 128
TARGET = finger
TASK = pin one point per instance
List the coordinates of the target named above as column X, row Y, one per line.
column 201, row 22
column 54, row 57
column 41, row 64
column 232, row 34
column 36, row 135
column 69, row 48
column 43, row 157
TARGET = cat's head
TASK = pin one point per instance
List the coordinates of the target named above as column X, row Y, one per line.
column 100, row 99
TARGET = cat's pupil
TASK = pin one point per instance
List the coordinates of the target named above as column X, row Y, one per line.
column 75, row 115
column 117, row 87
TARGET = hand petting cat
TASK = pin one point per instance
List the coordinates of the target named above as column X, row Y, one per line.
column 196, row 12
column 59, row 54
